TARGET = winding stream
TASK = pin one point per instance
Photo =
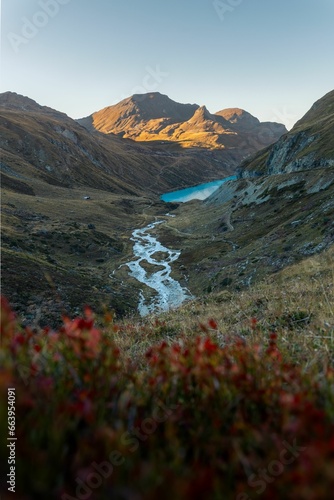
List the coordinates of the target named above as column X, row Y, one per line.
column 147, row 249
column 150, row 253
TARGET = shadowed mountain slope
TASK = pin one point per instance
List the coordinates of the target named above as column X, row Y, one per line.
column 308, row 145
column 41, row 144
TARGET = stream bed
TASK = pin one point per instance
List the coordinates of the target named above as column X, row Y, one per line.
column 150, row 253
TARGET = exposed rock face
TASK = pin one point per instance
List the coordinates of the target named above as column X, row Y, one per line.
column 284, row 154
column 279, row 211
column 310, row 144
column 155, row 117
column 247, row 191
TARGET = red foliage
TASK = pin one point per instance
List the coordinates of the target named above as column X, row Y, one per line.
column 253, row 323
column 197, row 421
column 213, row 324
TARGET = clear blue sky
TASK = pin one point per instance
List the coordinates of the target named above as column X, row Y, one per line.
column 273, row 58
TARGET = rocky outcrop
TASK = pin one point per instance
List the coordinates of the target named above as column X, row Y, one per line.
column 284, row 155
column 245, row 192
column 290, row 154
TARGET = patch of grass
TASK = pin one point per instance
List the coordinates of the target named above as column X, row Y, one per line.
column 297, row 304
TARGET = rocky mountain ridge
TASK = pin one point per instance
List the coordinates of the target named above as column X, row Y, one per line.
column 155, row 117
column 39, row 143
column 308, row 145
column 279, row 211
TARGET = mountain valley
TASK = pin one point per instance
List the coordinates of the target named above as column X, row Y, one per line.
column 73, row 193
column 279, row 211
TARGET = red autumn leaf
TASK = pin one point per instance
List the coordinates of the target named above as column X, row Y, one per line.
column 253, row 322
column 213, row 324
column 210, row 346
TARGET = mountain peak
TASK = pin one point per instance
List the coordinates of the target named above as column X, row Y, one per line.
column 149, row 95
column 239, row 117
column 131, row 115
column 323, row 107
column 202, row 114
column 17, row 102
column 155, row 117
column 13, row 100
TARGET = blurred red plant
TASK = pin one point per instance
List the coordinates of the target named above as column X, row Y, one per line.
column 234, row 405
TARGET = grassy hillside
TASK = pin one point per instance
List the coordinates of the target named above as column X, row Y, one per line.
column 59, row 250
column 251, row 228
column 278, row 212
column 296, row 302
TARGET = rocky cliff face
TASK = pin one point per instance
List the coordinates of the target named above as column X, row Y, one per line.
column 310, row 144
column 291, row 154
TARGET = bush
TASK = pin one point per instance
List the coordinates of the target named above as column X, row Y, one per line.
column 196, row 421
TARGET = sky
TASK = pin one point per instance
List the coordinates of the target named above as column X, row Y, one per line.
column 273, row 58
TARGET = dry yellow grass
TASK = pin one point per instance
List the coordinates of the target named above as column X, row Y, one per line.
column 296, row 303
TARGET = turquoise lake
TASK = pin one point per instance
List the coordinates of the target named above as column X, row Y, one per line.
column 199, row 192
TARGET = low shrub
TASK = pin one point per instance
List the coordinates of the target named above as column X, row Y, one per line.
column 197, row 420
